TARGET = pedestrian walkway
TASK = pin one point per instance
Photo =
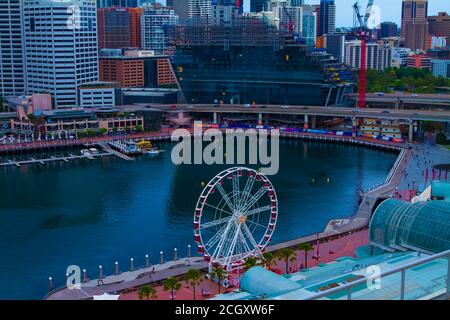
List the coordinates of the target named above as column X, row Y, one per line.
column 424, row 158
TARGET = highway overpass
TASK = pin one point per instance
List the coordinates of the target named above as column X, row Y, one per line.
column 406, row 100
column 405, row 115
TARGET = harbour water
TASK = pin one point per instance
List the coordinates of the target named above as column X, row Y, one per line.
column 95, row 212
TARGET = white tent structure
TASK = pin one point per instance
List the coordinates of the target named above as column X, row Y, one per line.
column 106, row 296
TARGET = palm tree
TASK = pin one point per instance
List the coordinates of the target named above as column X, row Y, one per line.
column 147, row 292
column 173, row 285
column 250, row 263
column 220, row 274
column 305, row 247
column 193, row 277
column 287, row 255
column 269, row 259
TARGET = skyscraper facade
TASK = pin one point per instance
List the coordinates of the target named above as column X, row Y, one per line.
column 309, row 23
column 135, row 26
column 154, row 22
column 113, row 28
column 60, row 44
column 388, row 29
column 378, row 57
column 327, row 22
column 199, row 9
column 117, row 3
column 259, row 5
column 414, row 24
column 12, row 71
column 180, row 8
column 440, row 25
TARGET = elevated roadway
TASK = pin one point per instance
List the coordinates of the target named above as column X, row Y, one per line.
column 410, row 115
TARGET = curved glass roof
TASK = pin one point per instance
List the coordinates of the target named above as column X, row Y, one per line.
column 260, row 281
column 422, row 226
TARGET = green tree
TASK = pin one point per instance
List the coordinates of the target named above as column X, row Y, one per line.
column 139, row 128
column 268, row 259
column 441, row 138
column 171, row 284
column 220, row 274
column 287, row 255
column 193, row 277
column 250, row 263
column 306, row 247
column 147, row 292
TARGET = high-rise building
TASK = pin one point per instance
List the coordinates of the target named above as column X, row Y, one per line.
column 439, row 25
column 119, row 27
column 180, row 8
column 441, row 68
column 154, row 21
column 297, row 3
column 334, row 43
column 117, row 3
column 259, row 5
column 60, row 44
column 135, row 26
column 316, row 8
column 199, row 10
column 327, row 22
column 254, row 64
column 414, row 24
column 12, row 71
column 309, row 24
column 388, row 29
column 223, row 14
column 378, row 57
column 114, row 29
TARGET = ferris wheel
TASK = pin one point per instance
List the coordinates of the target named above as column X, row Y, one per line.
column 235, row 217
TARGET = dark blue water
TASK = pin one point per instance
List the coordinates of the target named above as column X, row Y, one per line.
column 91, row 212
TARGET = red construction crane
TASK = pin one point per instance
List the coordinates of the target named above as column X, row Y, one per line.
column 362, row 33
column 291, row 25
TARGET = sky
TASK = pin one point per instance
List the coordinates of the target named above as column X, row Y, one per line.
column 390, row 9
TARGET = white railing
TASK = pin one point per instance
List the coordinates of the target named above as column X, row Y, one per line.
column 401, row 269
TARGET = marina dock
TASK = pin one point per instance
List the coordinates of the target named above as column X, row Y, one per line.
column 52, row 159
column 111, row 151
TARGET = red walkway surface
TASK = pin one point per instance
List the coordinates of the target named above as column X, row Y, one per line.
column 185, row 293
column 329, row 251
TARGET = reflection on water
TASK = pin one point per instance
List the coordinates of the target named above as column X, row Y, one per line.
column 96, row 212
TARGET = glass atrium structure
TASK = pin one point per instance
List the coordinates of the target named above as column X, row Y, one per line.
column 422, row 226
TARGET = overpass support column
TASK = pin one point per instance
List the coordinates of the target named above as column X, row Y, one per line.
column 260, row 119
column 306, row 125
column 354, row 127
column 411, row 131
column 313, row 122
column 215, row 118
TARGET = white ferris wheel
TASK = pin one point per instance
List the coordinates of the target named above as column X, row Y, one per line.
column 235, row 217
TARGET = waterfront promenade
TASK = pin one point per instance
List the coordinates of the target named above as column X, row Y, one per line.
column 334, row 240
column 165, row 134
